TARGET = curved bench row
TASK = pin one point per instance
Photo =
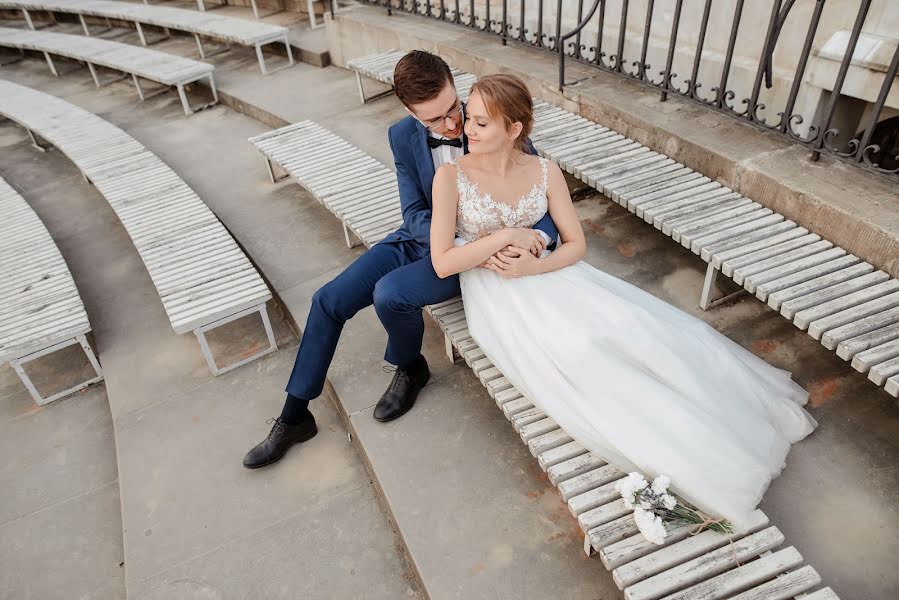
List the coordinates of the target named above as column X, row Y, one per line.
column 686, row 566
column 203, row 277
column 40, row 309
column 225, row 29
column 847, row 304
column 161, row 67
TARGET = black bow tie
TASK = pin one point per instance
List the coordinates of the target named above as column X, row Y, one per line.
column 434, row 142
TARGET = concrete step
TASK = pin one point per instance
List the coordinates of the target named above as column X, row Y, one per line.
column 616, row 242
column 193, row 521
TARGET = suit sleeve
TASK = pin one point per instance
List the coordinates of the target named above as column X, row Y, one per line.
column 413, row 202
column 546, row 224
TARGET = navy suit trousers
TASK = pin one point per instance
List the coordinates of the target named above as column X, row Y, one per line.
column 399, row 279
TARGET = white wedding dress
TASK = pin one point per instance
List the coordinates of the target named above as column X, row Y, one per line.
column 638, row 382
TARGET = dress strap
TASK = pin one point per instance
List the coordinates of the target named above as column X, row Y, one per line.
column 545, row 173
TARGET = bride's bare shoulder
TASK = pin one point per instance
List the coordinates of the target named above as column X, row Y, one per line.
column 445, row 179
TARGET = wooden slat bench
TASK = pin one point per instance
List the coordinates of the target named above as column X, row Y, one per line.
column 380, row 68
column 228, row 30
column 839, row 299
column 40, row 309
column 686, row 566
column 139, row 62
column 310, row 8
column 203, row 277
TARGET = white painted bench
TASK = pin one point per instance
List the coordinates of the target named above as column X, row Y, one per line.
column 687, row 566
column 358, row 189
column 310, row 7
column 380, row 68
column 203, row 277
column 217, row 27
column 139, row 62
column 40, row 309
column 846, row 303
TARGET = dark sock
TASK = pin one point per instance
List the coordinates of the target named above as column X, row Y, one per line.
column 295, row 410
column 416, row 364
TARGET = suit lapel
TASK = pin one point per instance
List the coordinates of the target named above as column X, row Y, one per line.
column 423, row 158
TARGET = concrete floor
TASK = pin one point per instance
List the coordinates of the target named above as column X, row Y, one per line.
column 472, row 508
column 195, row 522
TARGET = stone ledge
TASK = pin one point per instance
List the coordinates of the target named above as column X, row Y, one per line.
column 850, row 207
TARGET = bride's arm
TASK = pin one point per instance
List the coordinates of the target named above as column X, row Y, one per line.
column 447, row 258
column 573, row 246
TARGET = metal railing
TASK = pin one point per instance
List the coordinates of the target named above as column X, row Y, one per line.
column 814, row 115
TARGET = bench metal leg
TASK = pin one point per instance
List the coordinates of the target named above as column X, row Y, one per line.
column 51, row 65
column 200, row 46
column 34, row 141
column 705, row 300
column 711, row 275
column 215, row 94
column 359, row 85
column 255, row 9
column 204, row 345
column 349, row 237
column 87, row 31
column 28, row 19
column 96, row 76
column 140, row 92
column 271, row 171
column 261, row 59
column 310, row 6
column 200, row 6
column 289, row 51
column 183, row 96
column 140, row 33
column 35, row 394
column 448, row 348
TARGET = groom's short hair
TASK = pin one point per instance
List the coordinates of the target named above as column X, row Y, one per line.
column 420, row 76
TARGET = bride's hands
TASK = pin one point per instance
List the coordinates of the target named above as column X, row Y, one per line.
column 513, row 262
column 529, row 239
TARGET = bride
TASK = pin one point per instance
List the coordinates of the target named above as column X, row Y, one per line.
column 636, row 381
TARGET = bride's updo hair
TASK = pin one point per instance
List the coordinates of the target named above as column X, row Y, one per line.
column 507, row 97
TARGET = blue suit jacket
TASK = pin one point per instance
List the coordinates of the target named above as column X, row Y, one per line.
column 415, row 176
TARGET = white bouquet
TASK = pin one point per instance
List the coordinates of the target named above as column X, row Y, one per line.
column 654, row 507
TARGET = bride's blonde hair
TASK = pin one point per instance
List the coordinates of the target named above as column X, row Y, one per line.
column 507, row 97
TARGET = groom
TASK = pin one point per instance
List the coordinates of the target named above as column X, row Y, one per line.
column 396, row 275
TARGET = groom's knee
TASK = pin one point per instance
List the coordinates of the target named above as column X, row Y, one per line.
column 390, row 297
column 330, row 301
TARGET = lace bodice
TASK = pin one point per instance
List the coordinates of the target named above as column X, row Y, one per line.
column 479, row 215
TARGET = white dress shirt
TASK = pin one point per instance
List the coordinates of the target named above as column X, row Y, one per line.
column 444, row 154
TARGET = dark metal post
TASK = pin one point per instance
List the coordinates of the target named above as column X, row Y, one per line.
column 619, row 59
column 878, row 107
column 825, row 130
column 787, row 114
column 692, row 84
column 721, row 90
column 641, row 64
column 666, row 76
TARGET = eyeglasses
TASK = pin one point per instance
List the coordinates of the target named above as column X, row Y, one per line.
column 452, row 114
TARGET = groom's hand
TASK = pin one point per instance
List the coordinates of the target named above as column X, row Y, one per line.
column 513, row 262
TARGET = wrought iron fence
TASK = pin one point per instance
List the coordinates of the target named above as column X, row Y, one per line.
column 753, row 58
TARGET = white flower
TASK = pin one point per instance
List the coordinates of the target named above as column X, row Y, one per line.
column 651, row 526
column 646, row 504
column 669, row 501
column 660, row 484
column 630, row 485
